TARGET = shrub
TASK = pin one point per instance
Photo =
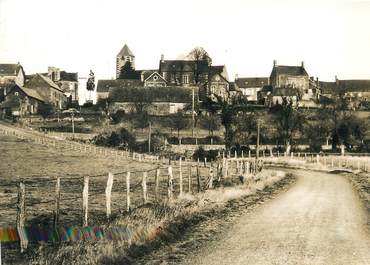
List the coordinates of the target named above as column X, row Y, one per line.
column 122, row 139
column 200, row 154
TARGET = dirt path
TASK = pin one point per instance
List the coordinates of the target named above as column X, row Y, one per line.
column 318, row 221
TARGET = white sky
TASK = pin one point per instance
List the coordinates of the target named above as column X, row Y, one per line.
column 331, row 37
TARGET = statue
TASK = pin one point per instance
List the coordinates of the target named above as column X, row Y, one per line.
column 90, row 85
column 91, row 82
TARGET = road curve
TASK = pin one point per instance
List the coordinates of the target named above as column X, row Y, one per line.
column 318, row 221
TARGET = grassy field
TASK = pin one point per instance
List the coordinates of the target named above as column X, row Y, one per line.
column 38, row 166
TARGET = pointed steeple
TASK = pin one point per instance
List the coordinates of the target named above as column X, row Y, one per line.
column 125, row 51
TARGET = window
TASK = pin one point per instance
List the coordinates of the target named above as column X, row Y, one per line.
column 172, row 108
column 155, row 77
column 185, row 79
column 16, row 94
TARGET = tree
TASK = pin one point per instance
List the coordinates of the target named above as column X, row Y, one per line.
column 246, row 125
column 179, row 122
column 128, row 72
column 200, row 57
column 288, row 120
column 45, row 110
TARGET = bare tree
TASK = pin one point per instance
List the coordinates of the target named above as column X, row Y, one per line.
column 201, row 59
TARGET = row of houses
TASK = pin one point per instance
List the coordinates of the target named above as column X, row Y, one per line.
column 212, row 81
column 22, row 95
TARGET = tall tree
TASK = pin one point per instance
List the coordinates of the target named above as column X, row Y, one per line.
column 200, row 57
column 128, row 72
column 288, row 120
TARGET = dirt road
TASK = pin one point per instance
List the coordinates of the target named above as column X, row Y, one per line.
column 318, row 221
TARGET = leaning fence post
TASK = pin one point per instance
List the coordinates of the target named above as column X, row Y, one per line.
column 21, row 216
column 145, row 197
column 157, row 174
column 170, row 183
column 85, row 200
column 128, row 201
column 57, row 202
column 108, row 192
column 180, row 176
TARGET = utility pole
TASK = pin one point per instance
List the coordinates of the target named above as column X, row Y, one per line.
column 150, row 135
column 192, row 112
column 258, row 139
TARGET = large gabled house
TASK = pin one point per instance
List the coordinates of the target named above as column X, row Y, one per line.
column 48, row 90
column 289, row 81
column 212, row 81
column 10, row 74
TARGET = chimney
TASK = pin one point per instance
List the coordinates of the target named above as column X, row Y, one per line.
column 236, row 77
column 302, row 64
column 162, row 58
column 275, row 62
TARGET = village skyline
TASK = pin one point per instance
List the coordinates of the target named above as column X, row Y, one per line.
column 334, row 43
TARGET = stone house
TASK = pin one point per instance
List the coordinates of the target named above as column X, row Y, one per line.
column 250, row 86
column 294, row 77
column 210, row 80
column 21, row 101
column 48, row 90
column 10, row 74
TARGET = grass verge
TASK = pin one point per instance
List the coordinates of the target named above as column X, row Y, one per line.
column 174, row 224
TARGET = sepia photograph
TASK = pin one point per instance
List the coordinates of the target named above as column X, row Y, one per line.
column 194, row 132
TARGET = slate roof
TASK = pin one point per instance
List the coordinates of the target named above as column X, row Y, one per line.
column 49, row 82
column 10, row 69
column 290, row 70
column 105, row 85
column 249, row 82
column 65, row 76
column 355, row 85
column 183, row 65
column 327, row 87
column 125, row 51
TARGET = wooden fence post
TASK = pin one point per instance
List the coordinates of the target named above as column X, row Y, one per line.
column 180, row 176
column 57, row 202
column 157, row 174
column 145, row 195
column 189, row 180
column 85, row 200
column 108, row 192
column 128, row 201
column 21, row 216
column 170, row 183
column 211, row 176
column 198, row 178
